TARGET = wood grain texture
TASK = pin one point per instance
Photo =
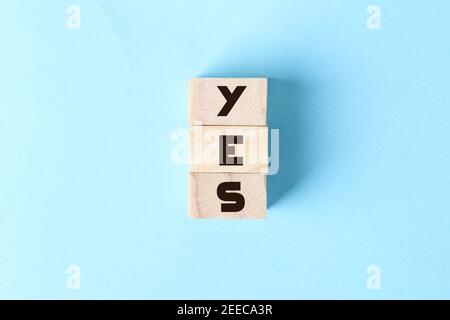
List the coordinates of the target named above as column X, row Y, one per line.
column 205, row 151
column 206, row 101
column 205, row 203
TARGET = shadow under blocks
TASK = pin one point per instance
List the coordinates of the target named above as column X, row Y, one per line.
column 289, row 110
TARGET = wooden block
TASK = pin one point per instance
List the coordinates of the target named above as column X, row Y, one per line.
column 227, row 195
column 229, row 149
column 228, row 101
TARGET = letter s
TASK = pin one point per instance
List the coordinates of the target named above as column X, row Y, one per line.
column 239, row 201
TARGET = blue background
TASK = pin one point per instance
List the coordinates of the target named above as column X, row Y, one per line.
column 86, row 176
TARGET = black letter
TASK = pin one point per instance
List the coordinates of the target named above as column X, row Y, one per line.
column 226, row 148
column 239, row 201
column 231, row 98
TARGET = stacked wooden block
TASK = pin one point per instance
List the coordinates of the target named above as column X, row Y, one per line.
column 229, row 147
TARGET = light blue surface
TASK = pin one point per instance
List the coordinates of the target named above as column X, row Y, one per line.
column 86, row 176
